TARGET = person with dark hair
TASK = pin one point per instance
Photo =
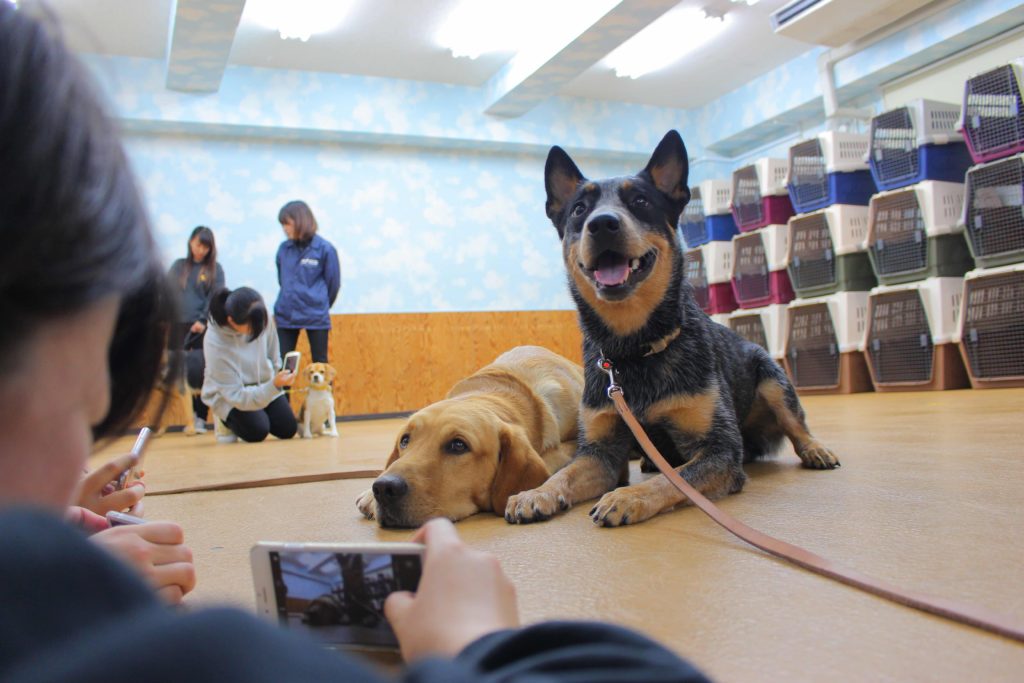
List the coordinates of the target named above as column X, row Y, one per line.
column 84, row 330
column 244, row 382
column 310, row 277
column 85, row 309
column 196, row 277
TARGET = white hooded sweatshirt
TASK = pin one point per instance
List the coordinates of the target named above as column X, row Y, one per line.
column 240, row 373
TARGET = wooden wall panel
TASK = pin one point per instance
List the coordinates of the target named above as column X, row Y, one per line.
column 389, row 363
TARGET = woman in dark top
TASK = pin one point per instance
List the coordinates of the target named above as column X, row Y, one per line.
column 196, row 277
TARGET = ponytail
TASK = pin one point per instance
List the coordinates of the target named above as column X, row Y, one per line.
column 243, row 305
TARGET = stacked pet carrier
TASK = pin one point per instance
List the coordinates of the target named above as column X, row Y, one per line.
column 708, row 218
column 916, row 248
column 759, row 194
column 991, row 332
column 828, row 266
column 708, row 270
column 764, row 326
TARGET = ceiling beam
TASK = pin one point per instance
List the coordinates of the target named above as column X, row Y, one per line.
column 202, row 33
column 538, row 73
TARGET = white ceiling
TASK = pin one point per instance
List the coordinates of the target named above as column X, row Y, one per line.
column 395, row 39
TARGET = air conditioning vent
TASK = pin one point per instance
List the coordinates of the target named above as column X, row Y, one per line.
column 837, row 22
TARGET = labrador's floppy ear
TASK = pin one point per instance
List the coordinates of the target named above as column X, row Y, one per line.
column 331, row 373
column 519, row 467
column 392, row 458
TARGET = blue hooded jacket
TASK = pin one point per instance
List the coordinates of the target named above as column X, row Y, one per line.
column 310, row 277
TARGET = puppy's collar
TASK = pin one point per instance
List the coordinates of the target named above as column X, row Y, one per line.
column 660, row 345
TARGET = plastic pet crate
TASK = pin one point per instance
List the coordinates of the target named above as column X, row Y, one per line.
column 759, row 194
column 706, row 217
column 720, row 318
column 917, row 142
column 708, row 269
column 992, row 327
column 993, row 217
column 759, row 276
column 829, row 169
column 765, row 327
column 827, row 251
column 910, row 338
column 915, row 233
column 991, row 117
column 824, row 338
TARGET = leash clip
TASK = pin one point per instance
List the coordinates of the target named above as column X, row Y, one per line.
column 605, row 365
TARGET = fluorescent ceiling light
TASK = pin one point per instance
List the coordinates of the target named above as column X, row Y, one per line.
column 298, row 18
column 476, row 27
column 667, row 39
column 748, row 3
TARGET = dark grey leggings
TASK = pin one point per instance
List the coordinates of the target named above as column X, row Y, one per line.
column 254, row 425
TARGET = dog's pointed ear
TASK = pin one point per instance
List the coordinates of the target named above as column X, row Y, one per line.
column 669, row 169
column 519, row 467
column 561, row 178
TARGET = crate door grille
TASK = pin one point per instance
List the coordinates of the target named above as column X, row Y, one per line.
column 993, row 332
column 992, row 111
column 698, row 278
column 751, row 268
column 899, row 341
column 751, row 328
column 813, row 263
column 807, row 173
column 900, row 244
column 691, row 222
column 894, row 145
column 813, row 351
column 995, row 207
column 746, row 196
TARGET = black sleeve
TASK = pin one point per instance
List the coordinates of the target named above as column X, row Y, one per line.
column 562, row 652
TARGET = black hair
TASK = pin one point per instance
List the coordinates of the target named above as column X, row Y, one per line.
column 301, row 216
column 72, row 223
column 209, row 263
column 244, row 305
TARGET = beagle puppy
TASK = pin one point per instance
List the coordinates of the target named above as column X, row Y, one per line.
column 317, row 413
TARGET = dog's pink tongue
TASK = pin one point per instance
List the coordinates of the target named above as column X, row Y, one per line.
column 611, row 271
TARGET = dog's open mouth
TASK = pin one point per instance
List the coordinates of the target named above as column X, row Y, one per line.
column 614, row 272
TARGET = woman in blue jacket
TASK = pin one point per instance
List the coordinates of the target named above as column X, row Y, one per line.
column 310, row 276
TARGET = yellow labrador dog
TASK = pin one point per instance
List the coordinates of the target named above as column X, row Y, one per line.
column 503, row 430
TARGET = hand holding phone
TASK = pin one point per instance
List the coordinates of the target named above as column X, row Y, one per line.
column 463, row 596
column 98, row 492
column 335, row 592
column 291, row 361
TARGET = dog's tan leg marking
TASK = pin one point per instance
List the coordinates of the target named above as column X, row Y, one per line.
column 582, row 479
column 626, row 317
column 185, row 396
column 640, row 502
column 813, row 454
column 598, row 423
column 690, row 413
column 557, row 458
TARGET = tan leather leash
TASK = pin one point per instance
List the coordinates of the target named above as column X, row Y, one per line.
column 949, row 609
column 274, row 481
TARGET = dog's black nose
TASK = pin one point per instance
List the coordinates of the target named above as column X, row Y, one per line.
column 603, row 223
column 390, row 488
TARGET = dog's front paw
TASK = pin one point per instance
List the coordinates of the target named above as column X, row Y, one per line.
column 533, row 506
column 816, row 457
column 621, row 506
column 367, row 504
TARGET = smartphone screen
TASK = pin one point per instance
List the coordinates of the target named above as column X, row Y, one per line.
column 338, row 598
column 291, row 363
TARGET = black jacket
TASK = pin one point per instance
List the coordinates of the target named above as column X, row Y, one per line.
column 69, row 612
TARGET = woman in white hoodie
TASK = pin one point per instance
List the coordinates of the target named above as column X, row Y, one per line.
column 243, row 381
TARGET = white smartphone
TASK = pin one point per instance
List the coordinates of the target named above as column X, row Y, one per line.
column 291, row 361
column 138, row 449
column 334, row 592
